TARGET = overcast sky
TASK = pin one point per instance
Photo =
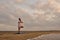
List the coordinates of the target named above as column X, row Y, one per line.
column 36, row 14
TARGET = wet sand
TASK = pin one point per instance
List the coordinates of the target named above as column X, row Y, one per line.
column 12, row 35
column 51, row 36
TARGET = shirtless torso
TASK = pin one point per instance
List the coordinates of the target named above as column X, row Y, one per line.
column 20, row 24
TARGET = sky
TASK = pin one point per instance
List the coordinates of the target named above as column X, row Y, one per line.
column 37, row 15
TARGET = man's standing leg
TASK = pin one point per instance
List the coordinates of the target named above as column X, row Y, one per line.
column 18, row 30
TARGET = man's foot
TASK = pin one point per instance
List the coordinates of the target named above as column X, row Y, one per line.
column 18, row 33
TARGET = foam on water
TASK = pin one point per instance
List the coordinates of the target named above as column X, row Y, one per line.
column 47, row 37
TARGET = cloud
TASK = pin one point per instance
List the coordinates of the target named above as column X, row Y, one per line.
column 4, row 27
column 36, row 14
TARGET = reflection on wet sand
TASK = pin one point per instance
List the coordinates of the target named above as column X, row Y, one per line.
column 47, row 37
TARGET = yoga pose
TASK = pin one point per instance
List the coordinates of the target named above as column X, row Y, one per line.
column 20, row 25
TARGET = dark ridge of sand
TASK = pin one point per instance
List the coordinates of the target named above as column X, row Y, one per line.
column 12, row 35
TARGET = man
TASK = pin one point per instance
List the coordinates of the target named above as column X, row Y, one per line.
column 20, row 25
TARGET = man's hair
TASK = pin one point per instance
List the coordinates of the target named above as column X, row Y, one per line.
column 20, row 19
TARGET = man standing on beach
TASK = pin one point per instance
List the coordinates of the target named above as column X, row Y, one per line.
column 20, row 25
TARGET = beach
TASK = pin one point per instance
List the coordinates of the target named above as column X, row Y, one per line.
column 12, row 35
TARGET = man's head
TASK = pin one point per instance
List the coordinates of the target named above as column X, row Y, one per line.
column 19, row 19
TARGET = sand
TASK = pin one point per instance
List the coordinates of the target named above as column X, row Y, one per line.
column 52, row 36
column 11, row 35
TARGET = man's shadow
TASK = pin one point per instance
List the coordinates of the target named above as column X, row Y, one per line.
column 22, row 32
